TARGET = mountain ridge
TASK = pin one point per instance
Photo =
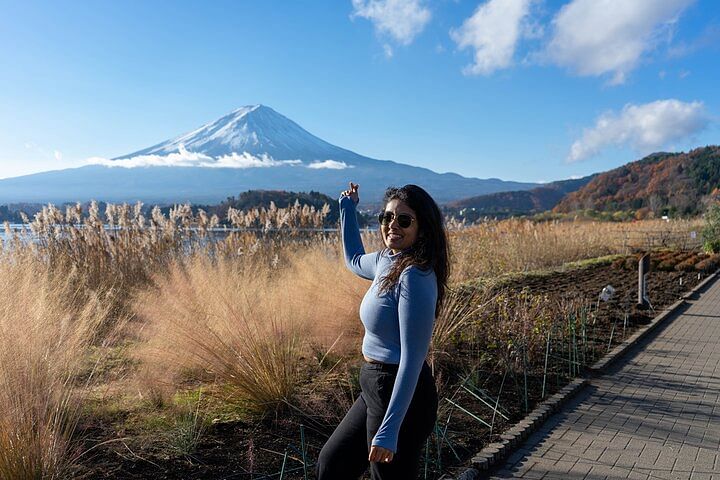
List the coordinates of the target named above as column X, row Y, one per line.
column 251, row 148
column 520, row 202
column 660, row 183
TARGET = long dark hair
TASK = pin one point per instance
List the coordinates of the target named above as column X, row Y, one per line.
column 430, row 250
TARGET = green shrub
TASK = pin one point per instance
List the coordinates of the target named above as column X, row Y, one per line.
column 711, row 230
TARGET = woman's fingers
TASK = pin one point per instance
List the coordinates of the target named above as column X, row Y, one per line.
column 352, row 192
column 379, row 454
column 353, row 189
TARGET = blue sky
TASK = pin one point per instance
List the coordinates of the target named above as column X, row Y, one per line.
column 530, row 90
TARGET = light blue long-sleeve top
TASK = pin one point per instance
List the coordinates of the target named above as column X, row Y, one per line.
column 398, row 324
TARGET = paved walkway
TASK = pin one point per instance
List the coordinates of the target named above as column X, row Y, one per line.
column 656, row 415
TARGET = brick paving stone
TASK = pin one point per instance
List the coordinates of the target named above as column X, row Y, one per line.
column 580, row 469
column 706, row 459
column 563, row 466
column 535, row 475
column 593, row 453
column 654, row 415
column 602, row 471
column 701, row 476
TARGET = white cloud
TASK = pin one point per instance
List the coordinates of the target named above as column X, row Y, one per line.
column 493, row 31
column 388, row 51
column 609, row 37
column 331, row 164
column 402, row 20
column 246, row 160
column 645, row 128
column 709, row 38
column 184, row 158
column 45, row 153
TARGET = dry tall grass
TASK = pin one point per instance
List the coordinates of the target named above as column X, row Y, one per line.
column 250, row 320
column 247, row 311
column 517, row 245
column 249, row 324
column 45, row 329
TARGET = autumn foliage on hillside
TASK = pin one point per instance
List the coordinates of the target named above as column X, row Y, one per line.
column 520, row 202
column 661, row 183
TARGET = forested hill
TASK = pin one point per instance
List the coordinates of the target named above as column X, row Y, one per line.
column 661, row 183
column 522, row 202
column 281, row 198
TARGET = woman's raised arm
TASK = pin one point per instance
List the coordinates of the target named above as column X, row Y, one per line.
column 356, row 259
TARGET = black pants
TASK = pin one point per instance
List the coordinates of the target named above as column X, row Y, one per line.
column 345, row 454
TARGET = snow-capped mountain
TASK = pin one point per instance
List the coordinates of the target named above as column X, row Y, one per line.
column 253, row 147
column 257, row 130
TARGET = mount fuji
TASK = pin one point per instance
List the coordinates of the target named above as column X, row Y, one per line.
column 253, row 147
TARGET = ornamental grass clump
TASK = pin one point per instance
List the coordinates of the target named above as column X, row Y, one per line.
column 46, row 327
column 201, row 331
column 249, row 329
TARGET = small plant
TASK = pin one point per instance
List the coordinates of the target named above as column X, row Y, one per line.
column 711, row 229
column 455, row 322
column 189, row 427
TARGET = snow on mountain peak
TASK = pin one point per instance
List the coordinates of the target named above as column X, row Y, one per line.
column 256, row 130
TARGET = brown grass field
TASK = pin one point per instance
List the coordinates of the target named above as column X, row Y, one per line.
column 129, row 338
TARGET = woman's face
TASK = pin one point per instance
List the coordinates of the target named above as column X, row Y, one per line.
column 395, row 237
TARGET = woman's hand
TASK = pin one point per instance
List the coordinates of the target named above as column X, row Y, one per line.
column 352, row 192
column 380, row 454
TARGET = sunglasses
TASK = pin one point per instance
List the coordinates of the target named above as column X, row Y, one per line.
column 403, row 219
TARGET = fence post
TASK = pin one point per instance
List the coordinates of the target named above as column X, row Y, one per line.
column 643, row 269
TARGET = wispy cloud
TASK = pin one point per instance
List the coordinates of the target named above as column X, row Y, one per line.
column 44, row 153
column 387, row 49
column 645, row 128
column 610, row 37
column 402, row 20
column 331, row 164
column 708, row 38
column 185, row 158
column 493, row 31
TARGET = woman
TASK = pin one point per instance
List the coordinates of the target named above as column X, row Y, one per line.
column 390, row 421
